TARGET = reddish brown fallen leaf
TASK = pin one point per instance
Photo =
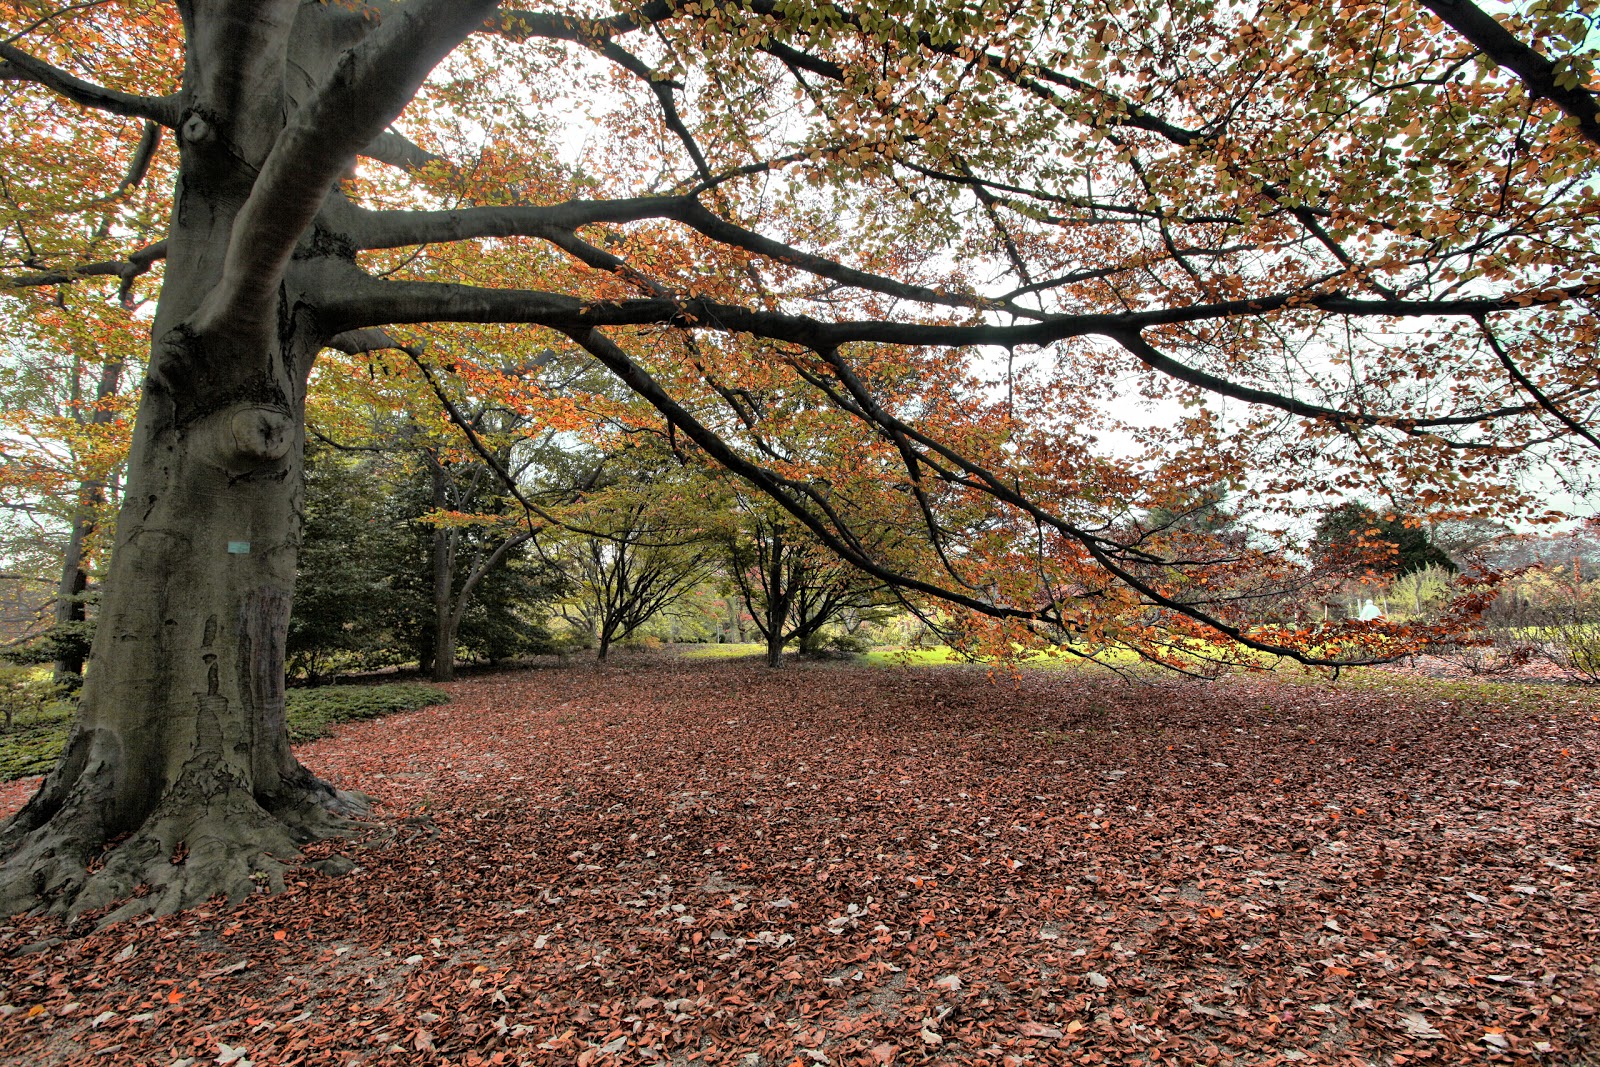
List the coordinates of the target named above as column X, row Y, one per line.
column 550, row 850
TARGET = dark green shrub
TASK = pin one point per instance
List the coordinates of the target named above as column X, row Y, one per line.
column 35, row 735
column 313, row 713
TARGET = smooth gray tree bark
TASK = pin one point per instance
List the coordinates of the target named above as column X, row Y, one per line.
column 178, row 774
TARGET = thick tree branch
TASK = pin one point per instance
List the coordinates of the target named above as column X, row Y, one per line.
column 520, row 24
column 356, row 301
column 1538, row 74
column 17, row 65
column 398, row 229
column 394, row 229
column 144, row 153
column 363, row 342
column 397, row 150
column 355, row 105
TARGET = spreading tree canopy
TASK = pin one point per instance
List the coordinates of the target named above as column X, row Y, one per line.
column 890, row 262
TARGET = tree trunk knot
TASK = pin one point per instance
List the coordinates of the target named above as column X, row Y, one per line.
column 249, row 437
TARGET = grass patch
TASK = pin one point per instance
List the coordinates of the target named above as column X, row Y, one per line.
column 937, row 656
column 944, row 656
column 37, row 737
column 728, row 651
column 1486, row 694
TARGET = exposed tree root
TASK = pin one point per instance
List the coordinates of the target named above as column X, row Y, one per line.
column 208, row 835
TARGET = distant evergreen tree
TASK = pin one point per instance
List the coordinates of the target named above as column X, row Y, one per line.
column 1353, row 533
column 344, row 591
column 366, row 586
column 1204, row 511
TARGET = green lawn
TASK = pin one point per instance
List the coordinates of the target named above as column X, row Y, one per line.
column 1491, row 694
column 36, row 737
column 937, row 656
column 728, row 651
column 944, row 656
column 1486, row 694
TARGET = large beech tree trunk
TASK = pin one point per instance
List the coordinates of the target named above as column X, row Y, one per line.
column 178, row 774
column 180, row 747
column 180, row 740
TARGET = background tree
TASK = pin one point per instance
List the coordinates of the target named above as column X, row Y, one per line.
column 460, row 481
column 64, row 421
column 465, row 569
column 791, row 585
column 1352, row 536
column 636, row 546
column 1205, row 510
column 1356, row 241
column 343, row 588
column 1468, row 541
column 366, row 589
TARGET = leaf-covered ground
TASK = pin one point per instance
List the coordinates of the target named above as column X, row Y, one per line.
column 714, row 863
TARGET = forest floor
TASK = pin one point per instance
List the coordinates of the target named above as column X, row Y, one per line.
column 676, row 861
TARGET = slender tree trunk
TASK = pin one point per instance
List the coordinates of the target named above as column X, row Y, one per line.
column 70, row 606
column 777, row 601
column 443, row 667
column 444, row 569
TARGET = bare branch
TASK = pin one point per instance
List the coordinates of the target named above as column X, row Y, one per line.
column 1156, row 360
column 661, row 88
column 1539, row 396
column 128, row 269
